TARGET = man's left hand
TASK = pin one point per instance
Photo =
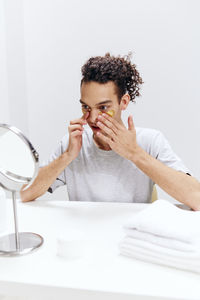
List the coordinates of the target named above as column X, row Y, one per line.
column 117, row 136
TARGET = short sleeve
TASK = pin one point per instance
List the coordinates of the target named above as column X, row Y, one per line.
column 161, row 150
column 60, row 149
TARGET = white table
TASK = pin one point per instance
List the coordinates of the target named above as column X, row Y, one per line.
column 100, row 273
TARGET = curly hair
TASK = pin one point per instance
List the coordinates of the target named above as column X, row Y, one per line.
column 117, row 69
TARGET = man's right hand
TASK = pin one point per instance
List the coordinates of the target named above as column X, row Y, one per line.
column 48, row 174
column 75, row 136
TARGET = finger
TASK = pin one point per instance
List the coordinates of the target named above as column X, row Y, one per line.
column 85, row 115
column 106, row 139
column 108, row 124
column 130, row 123
column 72, row 128
column 109, row 121
column 81, row 120
column 78, row 121
column 76, row 133
column 107, row 130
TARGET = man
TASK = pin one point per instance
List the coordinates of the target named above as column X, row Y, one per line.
column 106, row 161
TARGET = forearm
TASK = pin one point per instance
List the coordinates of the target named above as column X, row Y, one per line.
column 180, row 186
column 46, row 176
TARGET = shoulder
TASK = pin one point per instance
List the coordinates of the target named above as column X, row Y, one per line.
column 148, row 132
column 63, row 143
column 152, row 141
column 147, row 135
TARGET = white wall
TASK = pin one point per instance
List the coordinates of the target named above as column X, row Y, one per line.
column 4, row 107
column 13, row 62
column 49, row 41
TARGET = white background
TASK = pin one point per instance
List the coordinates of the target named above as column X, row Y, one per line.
column 44, row 43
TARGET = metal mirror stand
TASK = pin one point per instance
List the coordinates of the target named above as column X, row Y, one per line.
column 18, row 243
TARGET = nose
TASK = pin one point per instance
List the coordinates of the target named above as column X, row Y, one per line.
column 93, row 116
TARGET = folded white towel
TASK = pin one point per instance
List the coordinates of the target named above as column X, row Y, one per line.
column 161, row 241
column 164, row 219
column 161, row 251
column 166, row 260
column 164, row 234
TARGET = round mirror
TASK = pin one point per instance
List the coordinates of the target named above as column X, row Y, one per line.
column 19, row 163
column 18, row 159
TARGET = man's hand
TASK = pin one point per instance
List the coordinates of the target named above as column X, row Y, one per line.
column 48, row 174
column 75, row 136
column 117, row 136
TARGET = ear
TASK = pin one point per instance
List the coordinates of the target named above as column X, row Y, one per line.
column 124, row 101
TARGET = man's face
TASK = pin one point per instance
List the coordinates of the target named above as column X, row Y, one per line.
column 98, row 98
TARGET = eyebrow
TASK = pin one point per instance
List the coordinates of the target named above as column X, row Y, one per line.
column 100, row 103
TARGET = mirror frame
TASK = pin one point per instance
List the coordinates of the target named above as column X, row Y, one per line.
column 7, row 176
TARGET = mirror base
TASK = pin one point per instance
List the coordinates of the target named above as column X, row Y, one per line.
column 28, row 242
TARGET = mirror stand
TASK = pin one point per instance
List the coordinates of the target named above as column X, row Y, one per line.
column 19, row 243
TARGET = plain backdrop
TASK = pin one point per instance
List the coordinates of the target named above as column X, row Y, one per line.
column 44, row 43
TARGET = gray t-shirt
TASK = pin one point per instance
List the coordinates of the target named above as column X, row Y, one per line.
column 105, row 176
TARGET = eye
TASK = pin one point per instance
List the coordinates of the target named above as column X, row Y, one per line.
column 103, row 107
column 85, row 107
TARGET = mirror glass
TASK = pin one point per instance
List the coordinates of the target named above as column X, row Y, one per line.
column 17, row 156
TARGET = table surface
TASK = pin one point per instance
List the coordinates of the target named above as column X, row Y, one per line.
column 100, row 271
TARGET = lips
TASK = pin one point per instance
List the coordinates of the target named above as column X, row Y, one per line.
column 95, row 128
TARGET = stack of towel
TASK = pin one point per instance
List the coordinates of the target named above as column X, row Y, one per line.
column 165, row 234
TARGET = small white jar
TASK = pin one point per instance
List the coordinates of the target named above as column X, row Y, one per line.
column 3, row 206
